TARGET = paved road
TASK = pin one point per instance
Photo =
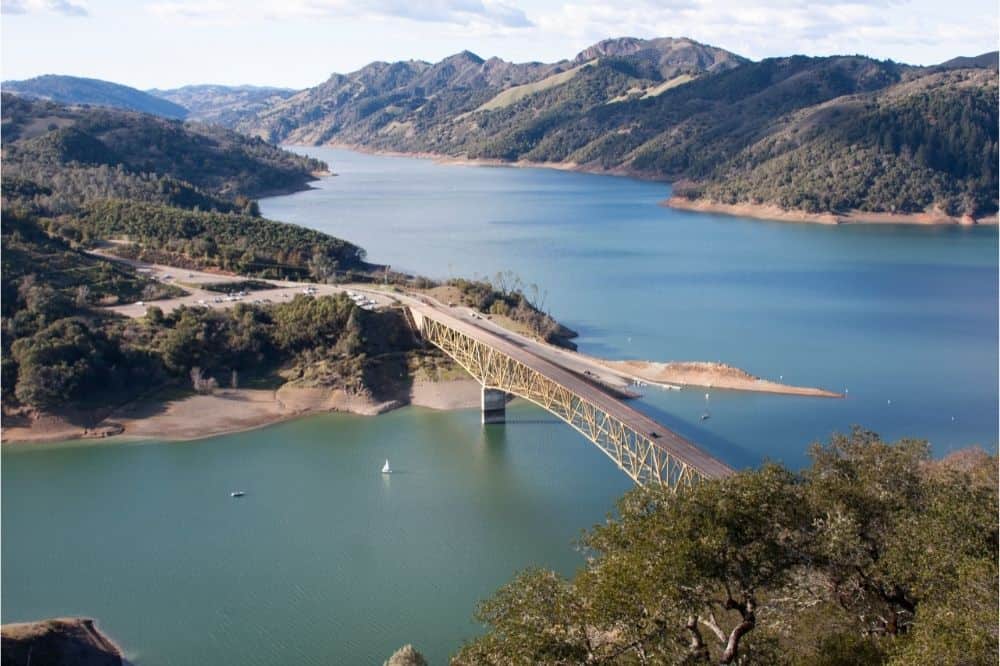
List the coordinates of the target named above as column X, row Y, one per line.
column 535, row 355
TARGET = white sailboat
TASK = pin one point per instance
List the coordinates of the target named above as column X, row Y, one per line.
column 385, row 468
column 706, row 416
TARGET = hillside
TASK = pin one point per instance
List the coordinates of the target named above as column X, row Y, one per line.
column 783, row 132
column 94, row 92
column 77, row 153
column 416, row 105
column 222, row 105
column 924, row 144
column 75, row 178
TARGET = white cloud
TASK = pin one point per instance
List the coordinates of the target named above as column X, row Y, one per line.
column 470, row 13
column 64, row 7
column 763, row 28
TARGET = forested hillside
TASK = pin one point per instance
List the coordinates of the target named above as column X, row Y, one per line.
column 74, row 177
column 926, row 143
column 830, row 134
column 83, row 153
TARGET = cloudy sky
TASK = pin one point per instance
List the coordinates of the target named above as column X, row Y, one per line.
column 298, row 43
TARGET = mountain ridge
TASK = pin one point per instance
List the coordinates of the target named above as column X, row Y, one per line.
column 95, row 92
column 673, row 109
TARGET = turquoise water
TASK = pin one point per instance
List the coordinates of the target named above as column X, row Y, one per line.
column 327, row 562
column 904, row 314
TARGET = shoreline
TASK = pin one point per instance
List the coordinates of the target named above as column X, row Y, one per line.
column 778, row 214
column 701, row 374
column 765, row 212
column 454, row 160
column 232, row 411
column 77, row 638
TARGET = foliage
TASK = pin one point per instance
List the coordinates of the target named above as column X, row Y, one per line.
column 44, row 278
column 69, row 361
column 929, row 144
column 508, row 299
column 75, row 360
column 816, row 134
column 144, row 157
column 240, row 243
column 871, row 555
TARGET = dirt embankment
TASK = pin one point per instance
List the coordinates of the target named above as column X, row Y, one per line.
column 235, row 410
column 771, row 212
column 711, row 375
column 68, row 640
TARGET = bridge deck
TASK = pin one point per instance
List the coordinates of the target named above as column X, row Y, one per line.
column 658, row 434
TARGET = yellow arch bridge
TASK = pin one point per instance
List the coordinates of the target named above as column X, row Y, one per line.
column 645, row 450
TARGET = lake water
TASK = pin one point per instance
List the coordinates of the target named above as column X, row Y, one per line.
column 326, row 561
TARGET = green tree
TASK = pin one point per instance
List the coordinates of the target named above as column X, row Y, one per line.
column 873, row 553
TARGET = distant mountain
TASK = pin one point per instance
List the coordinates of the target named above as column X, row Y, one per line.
column 222, row 105
column 783, row 131
column 411, row 105
column 94, row 92
column 666, row 56
column 989, row 60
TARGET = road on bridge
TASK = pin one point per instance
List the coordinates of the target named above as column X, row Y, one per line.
column 536, row 356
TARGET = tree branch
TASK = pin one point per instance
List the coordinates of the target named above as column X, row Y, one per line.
column 747, row 610
column 697, row 649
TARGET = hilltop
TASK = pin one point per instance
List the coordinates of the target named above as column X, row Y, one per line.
column 114, row 153
column 835, row 138
column 95, row 92
column 416, row 105
column 222, row 105
column 783, row 133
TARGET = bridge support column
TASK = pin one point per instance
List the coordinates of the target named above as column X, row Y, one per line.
column 494, row 406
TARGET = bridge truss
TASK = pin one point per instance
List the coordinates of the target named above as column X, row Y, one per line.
column 644, row 460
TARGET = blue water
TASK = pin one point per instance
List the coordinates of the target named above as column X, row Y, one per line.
column 904, row 318
column 327, row 562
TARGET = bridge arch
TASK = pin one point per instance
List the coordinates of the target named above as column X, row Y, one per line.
column 646, row 451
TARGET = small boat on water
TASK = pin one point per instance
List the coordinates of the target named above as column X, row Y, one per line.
column 706, row 415
column 237, row 493
column 385, row 468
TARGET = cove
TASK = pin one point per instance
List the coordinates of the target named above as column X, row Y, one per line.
column 327, row 561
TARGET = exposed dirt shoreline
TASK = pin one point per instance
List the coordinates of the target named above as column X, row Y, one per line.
column 711, row 375
column 753, row 211
column 770, row 212
column 230, row 411
column 442, row 158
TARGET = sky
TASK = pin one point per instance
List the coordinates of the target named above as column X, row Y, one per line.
column 299, row 43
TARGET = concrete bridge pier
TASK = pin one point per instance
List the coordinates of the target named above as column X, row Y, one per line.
column 494, row 406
